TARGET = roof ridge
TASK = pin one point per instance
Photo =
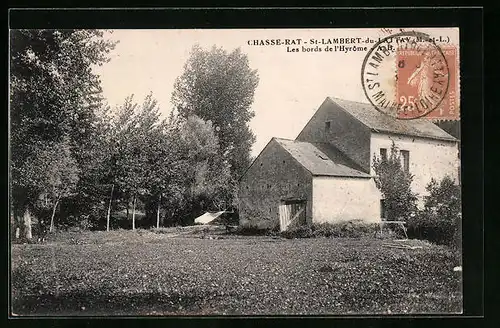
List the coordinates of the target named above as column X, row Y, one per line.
column 351, row 163
column 354, row 101
column 306, row 154
column 354, row 112
column 292, row 140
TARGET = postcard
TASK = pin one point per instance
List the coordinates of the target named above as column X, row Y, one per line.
column 235, row 172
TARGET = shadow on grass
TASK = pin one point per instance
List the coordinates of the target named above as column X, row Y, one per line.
column 92, row 304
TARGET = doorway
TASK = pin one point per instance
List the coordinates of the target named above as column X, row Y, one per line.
column 292, row 213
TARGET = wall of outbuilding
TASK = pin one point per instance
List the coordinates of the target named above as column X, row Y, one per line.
column 345, row 133
column 274, row 176
column 337, row 199
column 428, row 158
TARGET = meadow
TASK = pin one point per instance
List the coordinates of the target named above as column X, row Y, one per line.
column 185, row 271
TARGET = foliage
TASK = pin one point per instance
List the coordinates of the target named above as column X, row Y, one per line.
column 53, row 170
column 444, row 199
column 133, row 131
column 205, row 176
column 345, row 229
column 139, row 158
column 301, row 231
column 395, row 185
column 53, row 98
column 73, row 157
column 253, row 230
column 172, row 166
column 219, row 86
column 119, row 273
column 57, row 173
column 440, row 220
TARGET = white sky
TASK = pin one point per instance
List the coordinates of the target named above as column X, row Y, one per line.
column 292, row 85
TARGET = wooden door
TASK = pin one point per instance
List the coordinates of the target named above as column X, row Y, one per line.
column 292, row 214
column 298, row 214
column 285, row 218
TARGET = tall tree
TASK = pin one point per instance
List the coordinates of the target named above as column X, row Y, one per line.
column 170, row 164
column 61, row 174
column 137, row 151
column 54, row 174
column 53, row 95
column 165, row 167
column 219, row 86
column 207, row 176
column 146, row 130
column 93, row 155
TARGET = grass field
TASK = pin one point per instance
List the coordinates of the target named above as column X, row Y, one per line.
column 178, row 273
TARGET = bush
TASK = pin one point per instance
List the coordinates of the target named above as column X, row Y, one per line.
column 440, row 220
column 83, row 223
column 395, row 184
column 429, row 226
column 251, row 230
column 86, row 224
column 303, row 231
column 346, row 229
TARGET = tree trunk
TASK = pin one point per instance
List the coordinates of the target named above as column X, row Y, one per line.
column 16, row 222
column 158, row 214
column 27, row 223
column 109, row 208
column 13, row 223
column 133, row 213
column 53, row 214
column 128, row 204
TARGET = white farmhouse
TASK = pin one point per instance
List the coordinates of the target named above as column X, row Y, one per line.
column 326, row 174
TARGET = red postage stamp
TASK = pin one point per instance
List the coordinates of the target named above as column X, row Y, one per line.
column 427, row 82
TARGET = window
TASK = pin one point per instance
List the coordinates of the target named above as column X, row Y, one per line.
column 383, row 153
column 405, row 157
column 327, row 126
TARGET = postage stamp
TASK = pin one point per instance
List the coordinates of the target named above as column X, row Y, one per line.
column 408, row 75
column 421, row 83
column 426, row 83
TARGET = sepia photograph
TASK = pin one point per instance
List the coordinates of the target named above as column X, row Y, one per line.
column 235, row 172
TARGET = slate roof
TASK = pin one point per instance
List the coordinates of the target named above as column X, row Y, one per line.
column 322, row 159
column 379, row 122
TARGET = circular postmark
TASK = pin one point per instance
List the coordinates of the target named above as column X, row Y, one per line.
column 405, row 75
